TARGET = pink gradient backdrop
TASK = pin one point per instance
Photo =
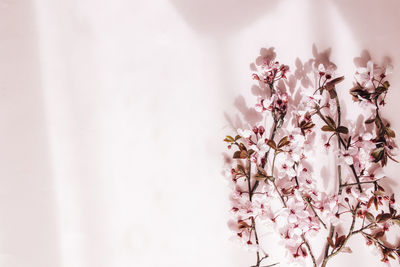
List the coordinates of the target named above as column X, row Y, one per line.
column 112, row 118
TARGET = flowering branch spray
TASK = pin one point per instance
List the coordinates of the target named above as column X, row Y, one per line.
column 275, row 184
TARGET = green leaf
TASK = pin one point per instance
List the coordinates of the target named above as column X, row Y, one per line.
column 237, row 137
column 327, row 128
column 378, row 154
column 342, row 129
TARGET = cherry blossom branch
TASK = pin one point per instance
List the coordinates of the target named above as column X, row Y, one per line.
column 304, row 207
column 343, row 244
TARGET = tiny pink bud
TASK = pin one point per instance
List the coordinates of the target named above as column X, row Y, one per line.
column 255, row 130
column 261, row 130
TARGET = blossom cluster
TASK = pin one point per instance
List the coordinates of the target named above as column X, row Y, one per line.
column 274, row 182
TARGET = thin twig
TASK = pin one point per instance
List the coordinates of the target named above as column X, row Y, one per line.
column 314, row 211
column 309, row 250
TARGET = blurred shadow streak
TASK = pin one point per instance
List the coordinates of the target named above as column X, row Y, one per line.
column 223, row 17
column 28, row 218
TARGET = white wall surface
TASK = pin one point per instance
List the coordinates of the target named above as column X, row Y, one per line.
column 112, row 120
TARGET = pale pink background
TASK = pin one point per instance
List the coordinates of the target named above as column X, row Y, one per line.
column 112, row 116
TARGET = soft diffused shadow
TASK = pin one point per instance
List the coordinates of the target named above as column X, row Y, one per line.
column 29, row 226
column 223, row 17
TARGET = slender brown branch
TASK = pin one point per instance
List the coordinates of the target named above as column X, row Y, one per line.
column 363, row 228
column 273, row 181
column 309, row 250
column 314, row 211
column 366, row 182
column 341, row 142
column 343, row 245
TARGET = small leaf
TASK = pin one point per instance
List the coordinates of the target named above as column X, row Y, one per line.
column 331, row 121
column 237, row 137
column 272, row 144
column 331, row 84
column 380, row 89
column 342, row 129
column 283, row 142
column 243, row 224
column 378, row 154
column 307, row 125
column 370, row 217
column 229, row 139
column 337, row 80
column 330, row 241
column 259, row 177
column 243, row 154
column 327, row 128
column 371, row 200
column 332, row 93
column 369, row 121
column 340, row 240
column 386, row 84
column 383, row 217
column 262, row 171
column 390, row 132
column 236, row 155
